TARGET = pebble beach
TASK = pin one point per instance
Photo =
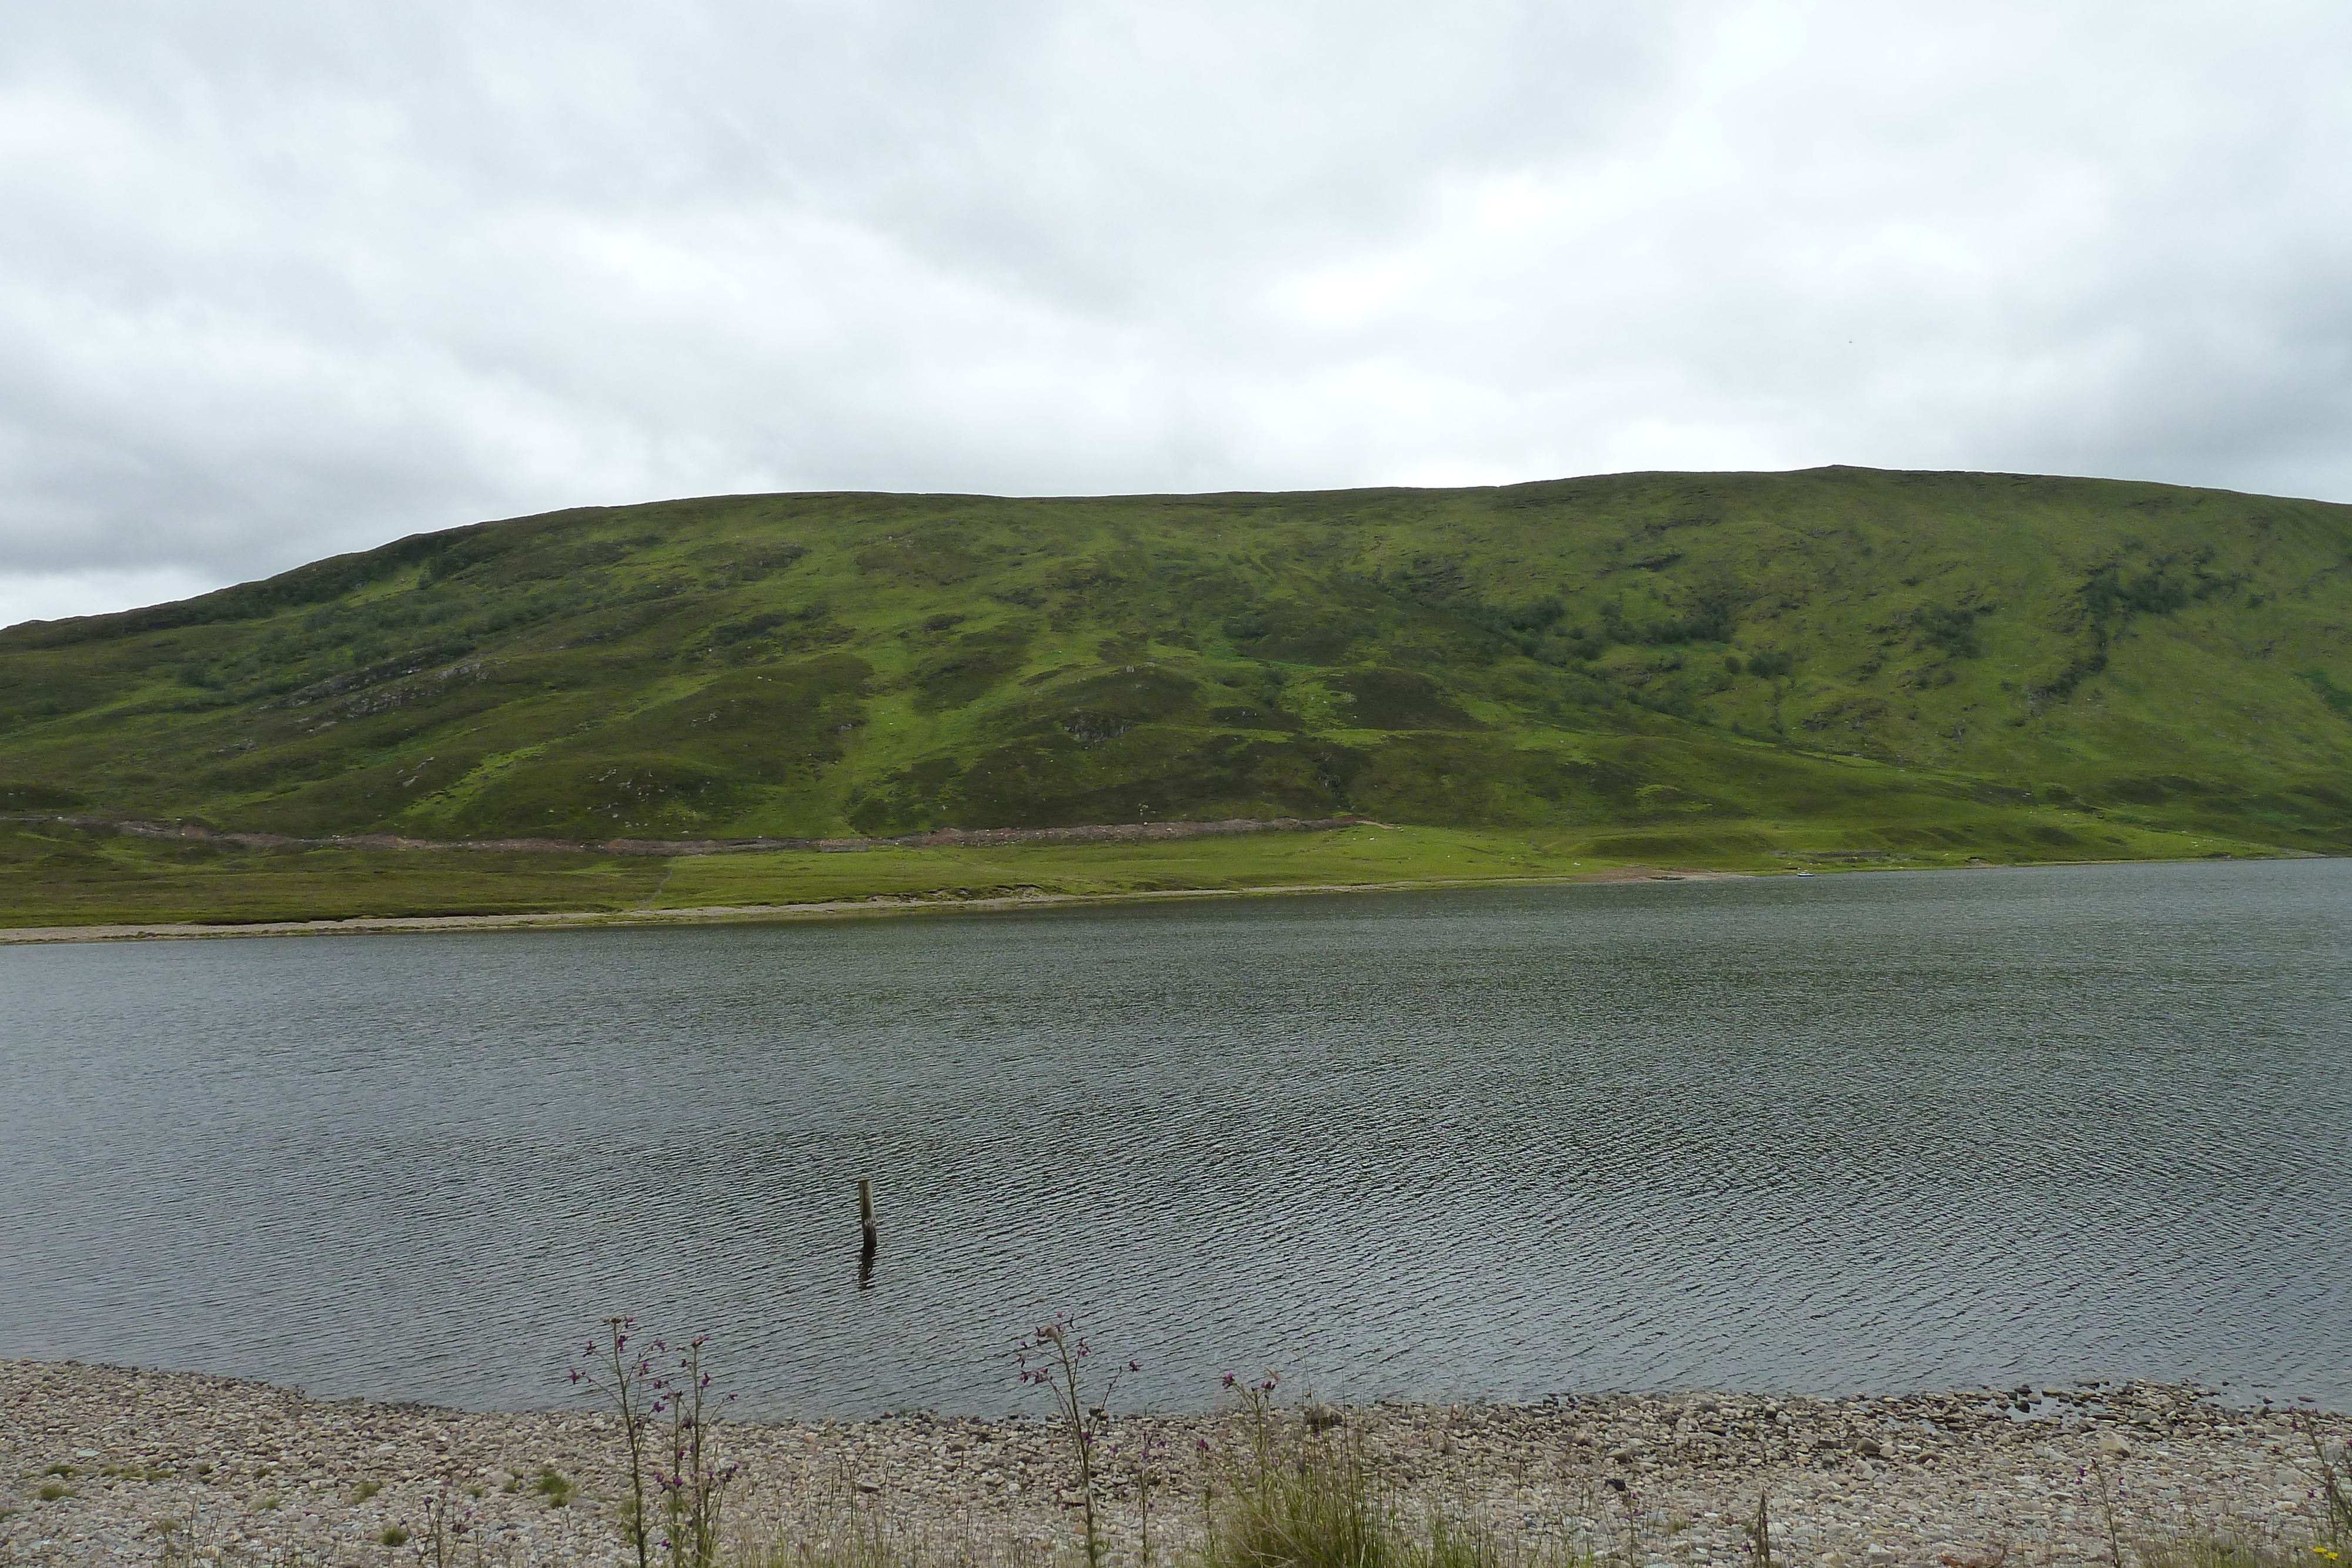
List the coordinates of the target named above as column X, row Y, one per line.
column 103, row 1464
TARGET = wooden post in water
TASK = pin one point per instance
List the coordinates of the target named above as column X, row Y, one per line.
column 866, row 1231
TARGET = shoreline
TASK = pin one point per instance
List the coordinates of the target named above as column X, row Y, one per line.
column 244, row 1470
column 760, row 914
column 915, row 904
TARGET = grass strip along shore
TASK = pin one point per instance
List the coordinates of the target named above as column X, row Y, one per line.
column 63, row 875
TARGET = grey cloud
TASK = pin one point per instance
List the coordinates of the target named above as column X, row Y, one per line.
column 284, row 280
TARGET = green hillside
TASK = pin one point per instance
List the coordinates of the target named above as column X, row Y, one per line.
column 1707, row 668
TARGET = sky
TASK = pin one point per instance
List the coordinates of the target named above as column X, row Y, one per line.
column 284, row 279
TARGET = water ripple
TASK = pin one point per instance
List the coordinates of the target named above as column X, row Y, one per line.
column 1850, row 1132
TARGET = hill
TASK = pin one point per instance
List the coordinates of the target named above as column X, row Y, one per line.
column 1705, row 668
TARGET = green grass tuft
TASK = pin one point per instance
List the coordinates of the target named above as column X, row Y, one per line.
column 2220, row 1552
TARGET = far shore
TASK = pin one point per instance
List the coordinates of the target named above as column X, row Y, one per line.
column 918, row 902
column 833, row 909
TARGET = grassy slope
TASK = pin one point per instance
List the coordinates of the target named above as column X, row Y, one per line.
column 1696, row 668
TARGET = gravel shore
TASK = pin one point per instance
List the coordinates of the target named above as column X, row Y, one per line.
column 155, row 1467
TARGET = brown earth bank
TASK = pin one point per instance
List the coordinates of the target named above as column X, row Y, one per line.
column 881, row 904
column 146, row 1466
column 937, row 838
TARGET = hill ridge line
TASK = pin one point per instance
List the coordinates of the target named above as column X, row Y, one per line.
column 936, row 838
column 1656, row 669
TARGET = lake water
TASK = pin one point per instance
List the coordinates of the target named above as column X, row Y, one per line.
column 1854, row 1133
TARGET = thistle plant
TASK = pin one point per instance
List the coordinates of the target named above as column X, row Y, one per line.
column 1059, row 1355
column 2332, row 1489
column 693, row 1479
column 1258, row 1409
column 448, row 1523
column 1147, row 1452
column 618, row 1374
column 2105, row 1497
column 662, row 1397
column 1758, row 1531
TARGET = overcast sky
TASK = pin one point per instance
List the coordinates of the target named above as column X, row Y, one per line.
column 281, row 279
